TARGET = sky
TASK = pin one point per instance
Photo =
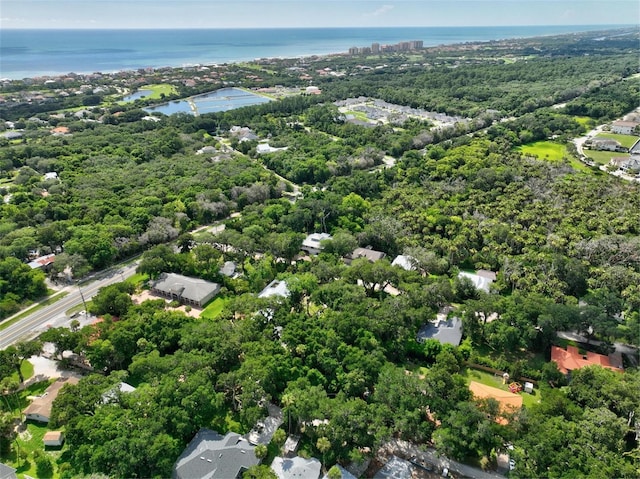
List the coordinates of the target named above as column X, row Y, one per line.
column 95, row 14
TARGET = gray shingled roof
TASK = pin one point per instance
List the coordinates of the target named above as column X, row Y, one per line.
column 7, row 472
column 194, row 289
column 446, row 331
column 210, row 455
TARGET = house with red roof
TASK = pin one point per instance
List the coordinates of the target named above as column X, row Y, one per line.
column 571, row 358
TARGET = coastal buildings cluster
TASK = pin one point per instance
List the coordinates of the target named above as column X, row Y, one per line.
column 376, row 48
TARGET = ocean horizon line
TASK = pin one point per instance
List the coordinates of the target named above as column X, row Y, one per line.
column 29, row 53
column 555, row 25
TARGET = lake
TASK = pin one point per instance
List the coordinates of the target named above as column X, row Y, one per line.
column 220, row 100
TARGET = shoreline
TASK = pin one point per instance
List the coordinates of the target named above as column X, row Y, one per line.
column 208, row 59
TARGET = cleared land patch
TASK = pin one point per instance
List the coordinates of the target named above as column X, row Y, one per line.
column 545, row 150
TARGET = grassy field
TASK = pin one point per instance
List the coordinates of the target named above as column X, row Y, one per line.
column 625, row 140
column 27, row 371
column 603, row 157
column 214, row 308
column 544, row 150
column 584, row 121
column 137, row 279
column 159, row 89
column 489, row 379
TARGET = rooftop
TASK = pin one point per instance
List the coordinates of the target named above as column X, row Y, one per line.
column 41, row 406
column 296, row 468
column 481, row 279
column 446, row 330
column 571, row 358
column 194, row 289
column 404, row 261
column 370, row 254
column 275, row 288
column 213, row 456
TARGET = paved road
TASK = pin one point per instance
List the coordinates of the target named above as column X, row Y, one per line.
column 54, row 314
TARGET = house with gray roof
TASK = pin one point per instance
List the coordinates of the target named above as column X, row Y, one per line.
column 7, row 472
column 192, row 291
column 312, row 243
column 396, row 468
column 371, row 254
column 445, row 330
column 213, row 456
column 296, row 467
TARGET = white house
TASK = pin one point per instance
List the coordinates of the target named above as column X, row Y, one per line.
column 624, row 127
column 296, row 468
column 53, row 438
column 481, row 279
column 404, row 261
column 311, row 243
column 275, row 288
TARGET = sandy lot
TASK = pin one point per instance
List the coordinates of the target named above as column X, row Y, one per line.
column 144, row 295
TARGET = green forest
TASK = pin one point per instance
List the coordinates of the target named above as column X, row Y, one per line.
column 564, row 242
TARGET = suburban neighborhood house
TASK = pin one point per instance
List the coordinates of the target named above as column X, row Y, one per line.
column 405, row 262
column 40, row 408
column 446, row 330
column 509, row 402
column 624, row 127
column 571, row 358
column 275, row 288
column 607, row 145
column 296, row 468
column 213, row 456
column 370, row 254
column 311, row 243
column 481, row 279
column 42, row 262
column 192, row 291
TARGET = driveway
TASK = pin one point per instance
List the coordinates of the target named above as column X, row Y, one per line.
column 408, row 450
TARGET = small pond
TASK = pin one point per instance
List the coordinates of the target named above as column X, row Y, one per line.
column 137, row 95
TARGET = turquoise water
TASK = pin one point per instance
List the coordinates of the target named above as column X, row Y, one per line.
column 219, row 100
column 30, row 53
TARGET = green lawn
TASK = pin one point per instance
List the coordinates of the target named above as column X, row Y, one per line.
column 159, row 89
column 137, row 279
column 26, row 369
column 603, row 157
column 214, row 308
column 625, row 140
column 584, row 120
column 30, row 441
column 545, row 150
column 489, row 379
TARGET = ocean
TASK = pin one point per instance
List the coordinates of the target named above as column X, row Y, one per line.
column 32, row 53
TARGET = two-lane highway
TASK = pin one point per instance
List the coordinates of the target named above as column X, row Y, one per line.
column 54, row 314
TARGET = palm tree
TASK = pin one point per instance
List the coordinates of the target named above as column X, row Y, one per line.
column 323, row 446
